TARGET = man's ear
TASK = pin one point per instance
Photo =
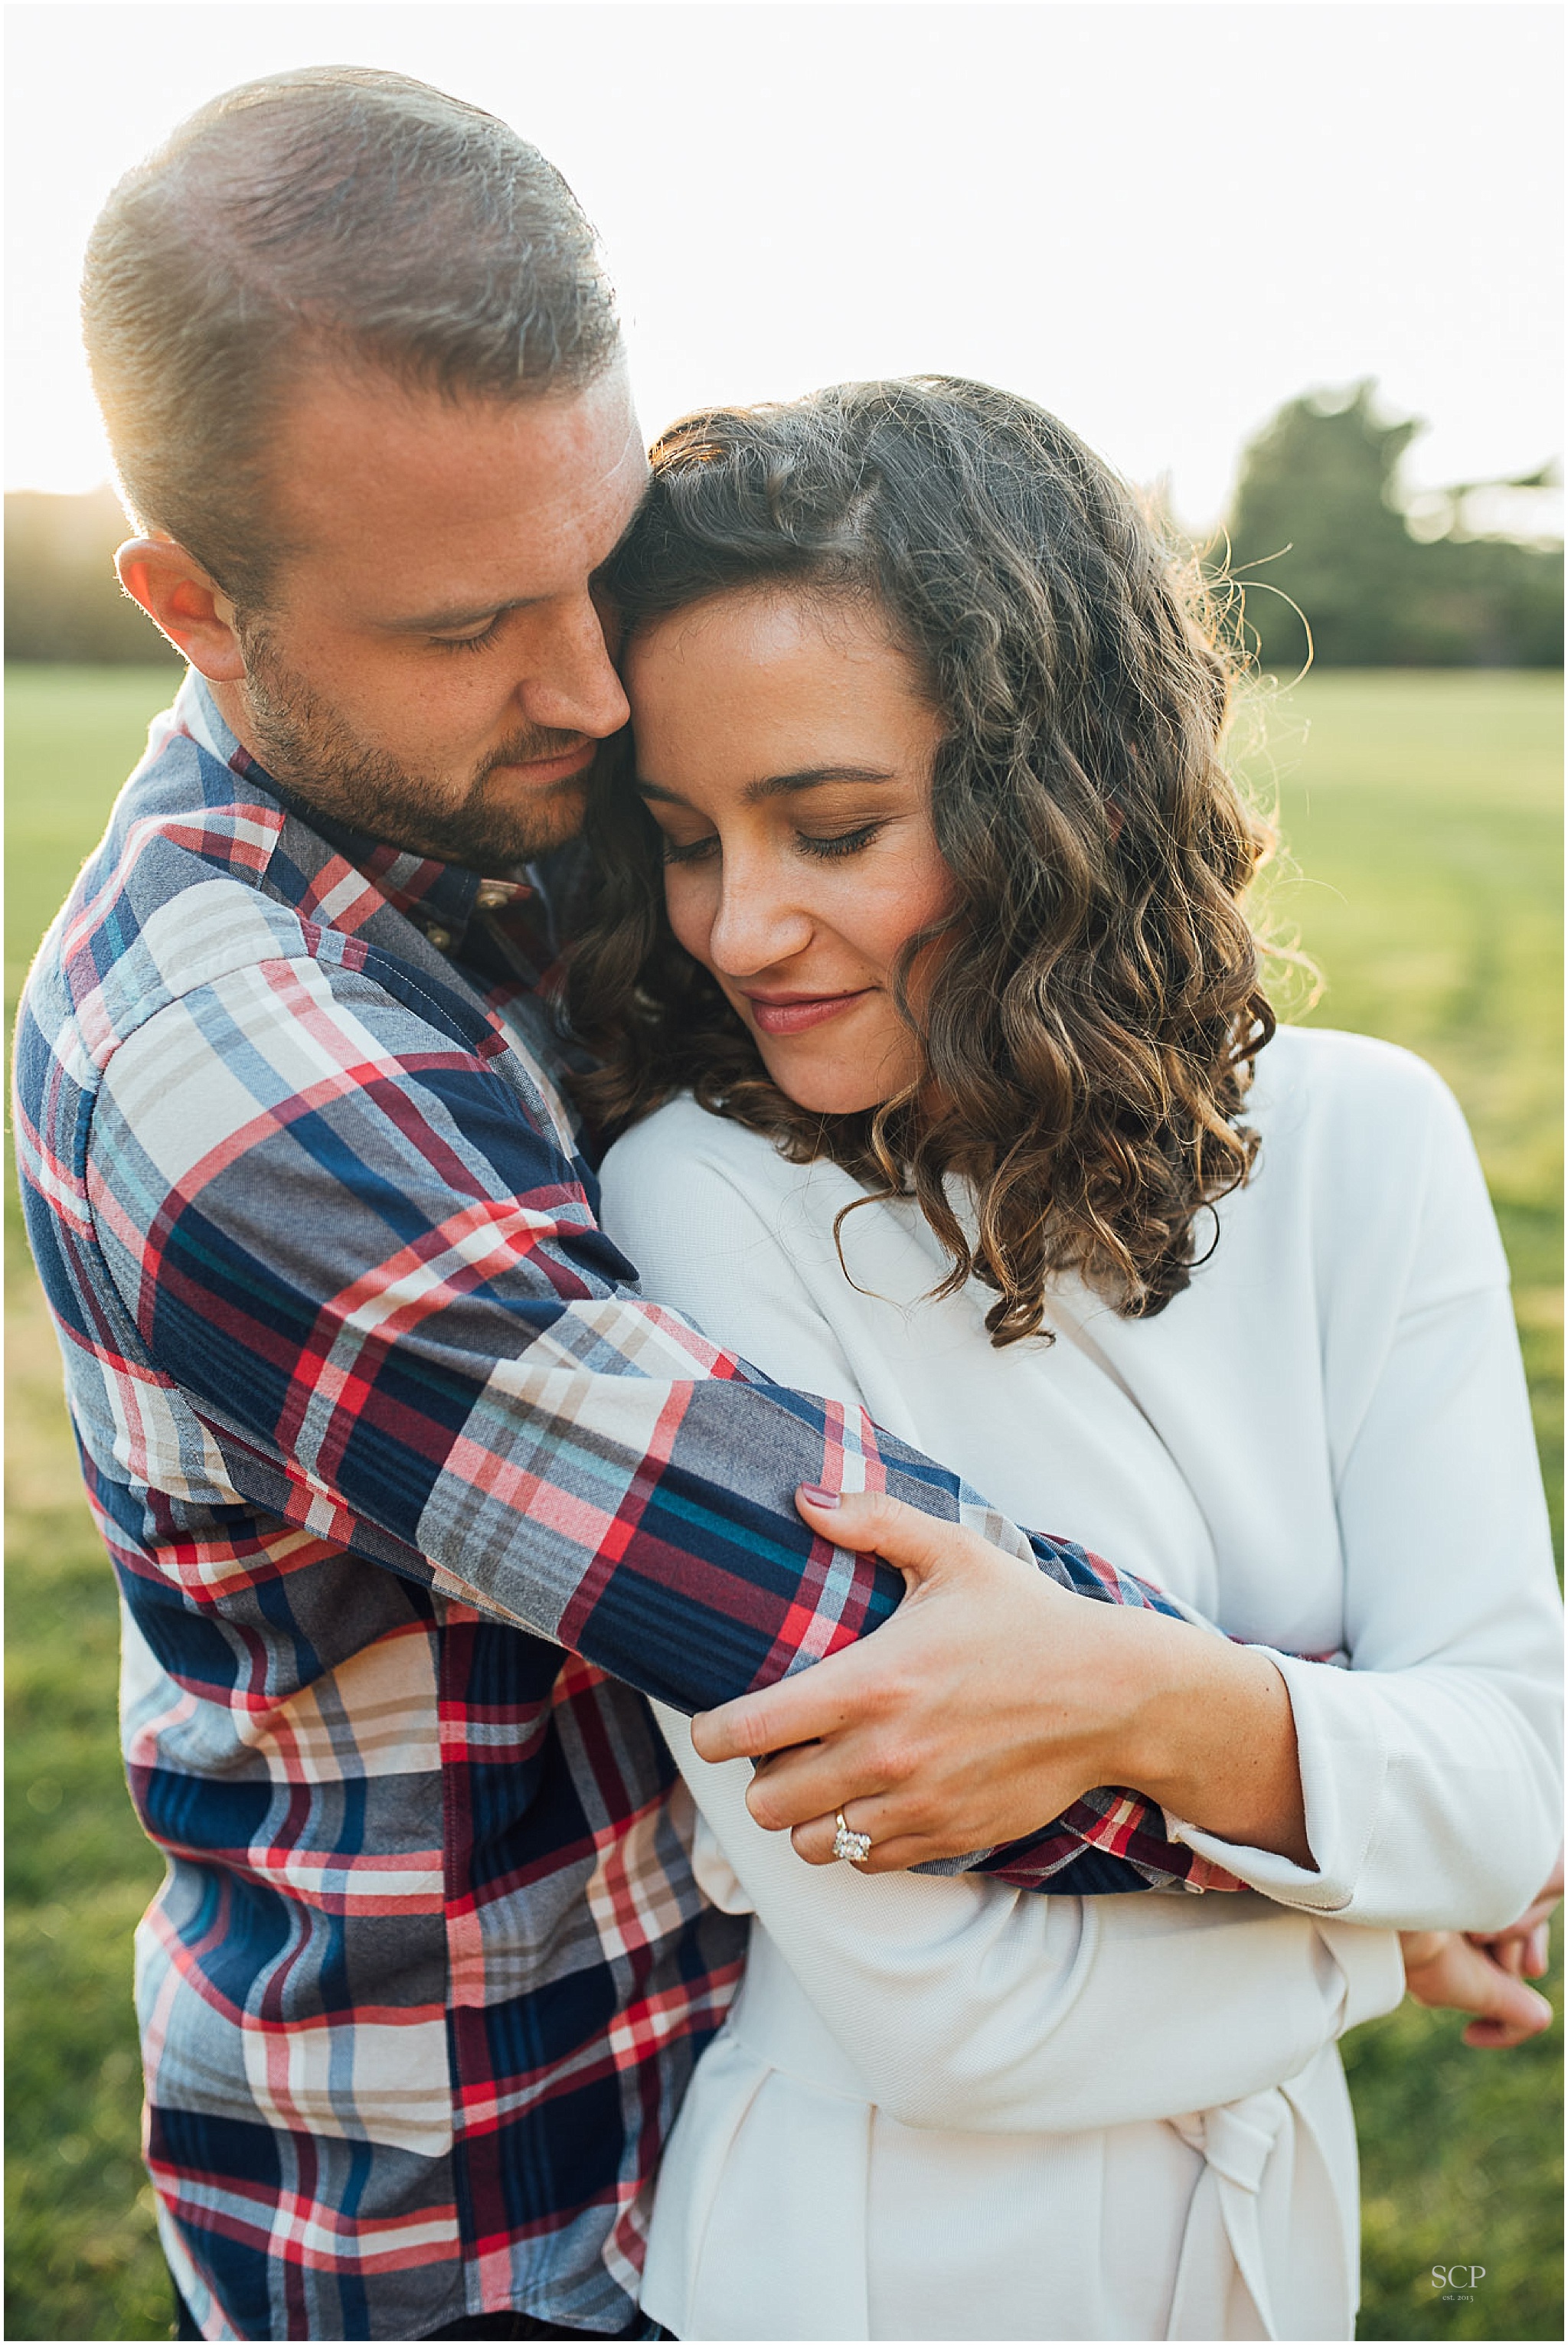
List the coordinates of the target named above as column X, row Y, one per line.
column 180, row 599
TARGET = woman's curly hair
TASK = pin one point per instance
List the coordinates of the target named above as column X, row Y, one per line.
column 1088, row 1035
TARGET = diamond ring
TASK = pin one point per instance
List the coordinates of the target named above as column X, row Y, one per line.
column 851, row 1847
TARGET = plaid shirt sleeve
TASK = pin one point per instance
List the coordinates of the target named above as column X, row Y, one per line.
column 358, row 1246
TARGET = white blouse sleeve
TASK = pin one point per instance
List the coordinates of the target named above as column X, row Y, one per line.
column 961, row 2002
column 1431, row 1766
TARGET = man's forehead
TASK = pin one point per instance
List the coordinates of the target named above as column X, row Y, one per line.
column 373, row 469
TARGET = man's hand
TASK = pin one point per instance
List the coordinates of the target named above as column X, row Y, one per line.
column 1449, row 1971
column 993, row 1699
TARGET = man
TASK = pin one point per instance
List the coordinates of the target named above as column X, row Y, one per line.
column 406, row 1488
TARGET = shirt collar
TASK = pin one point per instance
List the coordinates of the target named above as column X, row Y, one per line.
column 438, row 898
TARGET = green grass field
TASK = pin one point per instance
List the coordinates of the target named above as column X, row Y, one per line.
column 1420, row 816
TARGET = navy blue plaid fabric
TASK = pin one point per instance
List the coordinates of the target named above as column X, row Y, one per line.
column 411, row 1500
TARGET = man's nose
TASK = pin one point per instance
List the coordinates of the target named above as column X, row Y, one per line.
column 757, row 925
column 572, row 685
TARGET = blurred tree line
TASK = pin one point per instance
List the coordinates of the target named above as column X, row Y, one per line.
column 63, row 601
column 1320, row 520
column 1384, row 580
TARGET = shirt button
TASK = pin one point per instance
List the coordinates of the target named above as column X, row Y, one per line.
column 496, row 892
column 438, row 937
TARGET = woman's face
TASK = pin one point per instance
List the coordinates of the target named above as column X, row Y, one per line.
column 785, row 749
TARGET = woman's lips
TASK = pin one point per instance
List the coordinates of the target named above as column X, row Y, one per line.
column 792, row 1013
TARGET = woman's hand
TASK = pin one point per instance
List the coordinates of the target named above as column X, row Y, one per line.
column 1450, row 1972
column 993, row 1699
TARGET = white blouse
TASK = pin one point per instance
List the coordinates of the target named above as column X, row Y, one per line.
column 944, row 2108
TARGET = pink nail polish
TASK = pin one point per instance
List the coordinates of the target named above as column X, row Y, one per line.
column 814, row 1496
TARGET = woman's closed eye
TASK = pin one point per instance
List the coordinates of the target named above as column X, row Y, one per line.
column 824, row 845
column 688, row 850
column 828, row 844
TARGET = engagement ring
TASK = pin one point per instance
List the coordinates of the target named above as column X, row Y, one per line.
column 853, row 1847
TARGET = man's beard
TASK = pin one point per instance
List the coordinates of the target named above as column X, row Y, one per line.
column 309, row 748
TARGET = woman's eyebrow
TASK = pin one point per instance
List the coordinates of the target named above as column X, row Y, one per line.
column 812, row 777
column 773, row 785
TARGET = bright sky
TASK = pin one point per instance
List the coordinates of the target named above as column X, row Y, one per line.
column 1160, row 221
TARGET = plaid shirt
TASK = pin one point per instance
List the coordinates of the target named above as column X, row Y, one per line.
column 410, row 1499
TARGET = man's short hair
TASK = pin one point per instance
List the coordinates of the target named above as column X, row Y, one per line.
column 334, row 213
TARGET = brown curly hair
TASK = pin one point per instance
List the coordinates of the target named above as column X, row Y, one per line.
column 1088, row 1037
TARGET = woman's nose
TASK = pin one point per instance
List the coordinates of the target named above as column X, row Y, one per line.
column 756, row 924
column 572, row 685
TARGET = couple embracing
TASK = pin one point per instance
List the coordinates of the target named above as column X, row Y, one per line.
column 654, row 1072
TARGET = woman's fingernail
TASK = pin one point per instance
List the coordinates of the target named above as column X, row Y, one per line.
column 814, row 1496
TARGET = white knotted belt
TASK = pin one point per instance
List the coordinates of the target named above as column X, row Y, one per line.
column 1223, row 2230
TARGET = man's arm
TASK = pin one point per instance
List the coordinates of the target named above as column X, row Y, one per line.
column 371, row 1271
column 380, row 1283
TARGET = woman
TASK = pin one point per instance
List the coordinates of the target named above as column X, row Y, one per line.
column 935, row 1030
